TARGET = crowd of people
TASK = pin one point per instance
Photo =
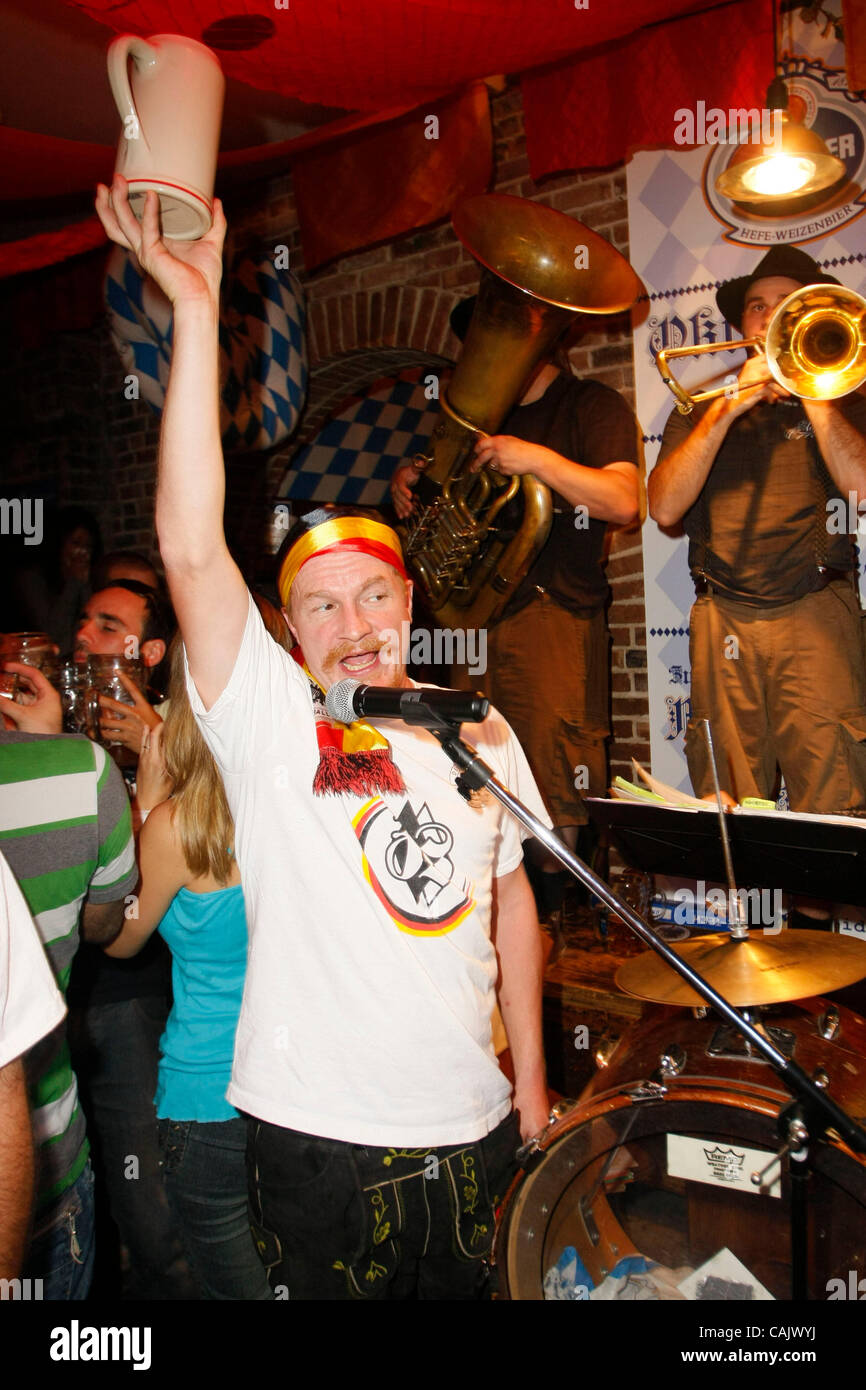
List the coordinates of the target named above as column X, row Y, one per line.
column 284, row 941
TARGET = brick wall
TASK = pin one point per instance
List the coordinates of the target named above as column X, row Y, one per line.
column 369, row 314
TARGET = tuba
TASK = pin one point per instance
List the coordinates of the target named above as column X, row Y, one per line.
column 815, row 347
column 538, row 269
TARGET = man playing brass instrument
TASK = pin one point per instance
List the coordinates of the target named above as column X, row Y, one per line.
column 548, row 658
column 756, row 476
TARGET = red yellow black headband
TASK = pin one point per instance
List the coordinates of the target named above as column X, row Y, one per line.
column 343, row 533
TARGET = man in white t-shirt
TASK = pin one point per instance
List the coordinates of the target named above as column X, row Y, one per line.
column 31, row 1006
column 382, row 1130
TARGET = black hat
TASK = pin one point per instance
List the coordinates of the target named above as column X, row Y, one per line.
column 788, row 261
column 461, row 316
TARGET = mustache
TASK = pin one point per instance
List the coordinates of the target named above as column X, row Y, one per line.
column 372, row 644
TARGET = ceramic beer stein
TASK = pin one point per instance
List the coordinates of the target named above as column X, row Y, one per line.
column 171, row 108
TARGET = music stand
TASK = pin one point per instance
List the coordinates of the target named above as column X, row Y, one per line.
column 812, row 855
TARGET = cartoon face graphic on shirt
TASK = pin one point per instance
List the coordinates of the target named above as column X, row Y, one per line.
column 407, row 862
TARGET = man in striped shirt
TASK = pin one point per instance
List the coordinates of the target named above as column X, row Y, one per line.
column 65, row 829
column 30, row 1006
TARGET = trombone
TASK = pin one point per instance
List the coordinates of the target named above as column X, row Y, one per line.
column 815, row 346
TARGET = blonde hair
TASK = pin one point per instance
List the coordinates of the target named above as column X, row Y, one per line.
column 200, row 811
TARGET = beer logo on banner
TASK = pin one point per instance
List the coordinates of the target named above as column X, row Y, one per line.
column 818, row 97
column 408, row 864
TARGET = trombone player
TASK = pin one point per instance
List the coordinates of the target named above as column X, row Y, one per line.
column 776, row 648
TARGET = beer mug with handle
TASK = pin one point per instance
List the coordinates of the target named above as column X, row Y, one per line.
column 171, row 108
column 103, row 679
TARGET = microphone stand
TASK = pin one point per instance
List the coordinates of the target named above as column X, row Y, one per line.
column 811, row 1113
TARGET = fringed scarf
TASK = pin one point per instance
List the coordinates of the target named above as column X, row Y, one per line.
column 353, row 758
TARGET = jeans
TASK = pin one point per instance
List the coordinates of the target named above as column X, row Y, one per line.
column 343, row 1221
column 205, row 1177
column 61, row 1255
column 116, row 1050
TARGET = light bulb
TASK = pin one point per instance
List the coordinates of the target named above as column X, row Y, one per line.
column 778, row 175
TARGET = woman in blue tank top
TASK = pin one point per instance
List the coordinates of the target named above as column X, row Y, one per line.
column 191, row 893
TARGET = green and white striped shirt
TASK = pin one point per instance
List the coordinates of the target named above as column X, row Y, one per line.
column 66, row 831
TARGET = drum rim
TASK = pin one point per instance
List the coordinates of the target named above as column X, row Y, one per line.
column 682, row 1090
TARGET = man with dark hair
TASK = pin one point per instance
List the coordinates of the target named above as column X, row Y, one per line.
column 119, row 1007
column 127, row 619
column 65, row 830
column 383, row 1130
column 136, row 626
column 776, row 647
column 31, row 1006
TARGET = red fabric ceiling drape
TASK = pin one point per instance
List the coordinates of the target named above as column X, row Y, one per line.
column 367, row 55
column 377, row 57
column 591, row 112
column 854, row 18
column 384, row 181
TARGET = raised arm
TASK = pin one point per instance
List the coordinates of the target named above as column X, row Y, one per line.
column 207, row 588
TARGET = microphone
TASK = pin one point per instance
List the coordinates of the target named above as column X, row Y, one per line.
column 350, row 700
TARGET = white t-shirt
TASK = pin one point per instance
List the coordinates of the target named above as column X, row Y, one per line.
column 31, row 1005
column 371, row 975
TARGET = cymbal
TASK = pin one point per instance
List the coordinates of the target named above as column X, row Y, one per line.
column 764, row 969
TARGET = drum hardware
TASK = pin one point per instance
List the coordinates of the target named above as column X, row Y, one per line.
column 646, row 1090
column 820, row 1078
column 672, row 1061
column 526, row 1152
column 828, row 1023
column 798, row 1121
column 728, row 1042
column 604, row 1050
column 815, row 346
column 798, row 1136
column 759, row 1179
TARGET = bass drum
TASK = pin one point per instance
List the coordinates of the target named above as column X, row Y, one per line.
column 656, row 1158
